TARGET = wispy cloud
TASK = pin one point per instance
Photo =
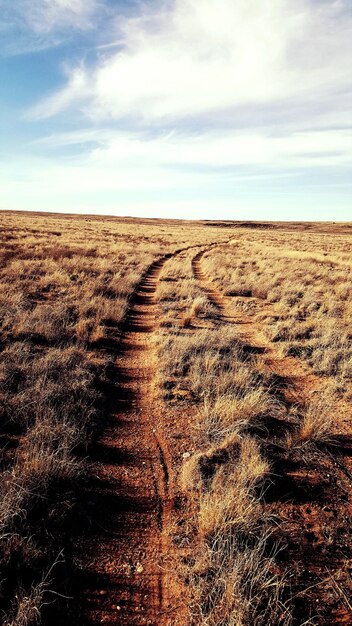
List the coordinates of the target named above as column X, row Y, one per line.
column 31, row 25
column 189, row 58
column 205, row 102
column 48, row 15
column 226, row 84
column 211, row 150
column 76, row 90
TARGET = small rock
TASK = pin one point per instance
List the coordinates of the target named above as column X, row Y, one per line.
column 186, row 455
column 139, row 568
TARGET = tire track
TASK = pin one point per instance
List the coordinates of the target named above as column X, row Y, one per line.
column 123, row 578
column 309, row 495
column 294, row 379
column 122, row 575
column 249, row 333
column 214, row 296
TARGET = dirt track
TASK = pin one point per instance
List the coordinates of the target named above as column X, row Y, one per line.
column 129, row 580
column 312, row 497
column 128, row 574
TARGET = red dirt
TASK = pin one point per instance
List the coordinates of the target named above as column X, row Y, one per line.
column 127, row 574
column 310, row 494
column 128, row 570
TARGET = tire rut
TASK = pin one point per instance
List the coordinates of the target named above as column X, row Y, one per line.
column 302, row 506
column 214, row 296
column 122, row 572
column 125, row 572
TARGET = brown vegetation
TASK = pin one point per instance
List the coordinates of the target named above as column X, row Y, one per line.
column 254, row 448
column 65, row 287
column 231, row 568
column 255, row 415
column 300, row 288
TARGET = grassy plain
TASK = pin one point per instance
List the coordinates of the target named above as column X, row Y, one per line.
column 253, row 388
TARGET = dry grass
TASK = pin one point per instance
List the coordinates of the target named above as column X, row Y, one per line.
column 27, row 607
column 232, row 571
column 302, row 289
column 65, row 286
column 317, row 425
column 242, row 418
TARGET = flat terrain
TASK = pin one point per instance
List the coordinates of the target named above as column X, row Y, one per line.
column 175, row 404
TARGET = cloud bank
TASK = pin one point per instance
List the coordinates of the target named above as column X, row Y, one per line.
column 189, row 59
column 188, row 95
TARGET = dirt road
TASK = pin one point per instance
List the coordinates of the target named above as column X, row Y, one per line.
column 127, row 569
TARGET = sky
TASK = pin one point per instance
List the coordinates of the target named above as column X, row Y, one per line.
column 214, row 109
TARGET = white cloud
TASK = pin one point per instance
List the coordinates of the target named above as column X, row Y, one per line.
column 111, row 151
column 77, row 90
column 199, row 99
column 206, row 175
column 189, row 58
column 226, row 151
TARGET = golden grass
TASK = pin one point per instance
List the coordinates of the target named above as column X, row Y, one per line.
column 317, row 425
column 28, row 606
column 64, row 290
column 232, row 572
column 303, row 290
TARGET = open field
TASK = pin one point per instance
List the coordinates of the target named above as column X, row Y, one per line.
column 175, row 404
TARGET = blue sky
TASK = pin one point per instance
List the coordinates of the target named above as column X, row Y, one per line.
column 233, row 109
